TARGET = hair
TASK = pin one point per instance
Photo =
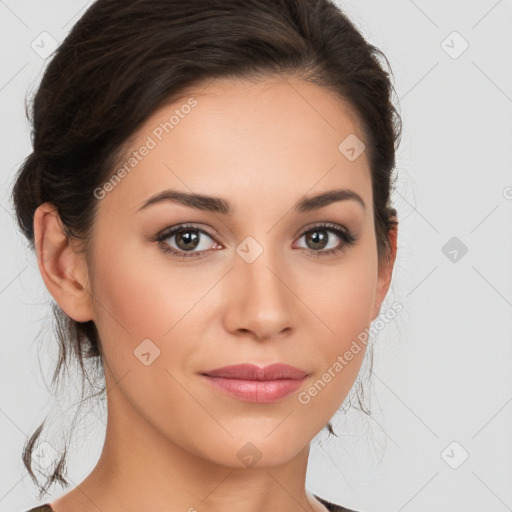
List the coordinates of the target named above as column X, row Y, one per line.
column 124, row 60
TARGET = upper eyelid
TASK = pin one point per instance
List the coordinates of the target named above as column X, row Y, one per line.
column 173, row 230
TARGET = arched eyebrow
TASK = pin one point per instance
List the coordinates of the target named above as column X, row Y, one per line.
column 307, row 204
column 219, row 205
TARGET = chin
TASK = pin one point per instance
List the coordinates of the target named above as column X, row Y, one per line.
column 259, row 451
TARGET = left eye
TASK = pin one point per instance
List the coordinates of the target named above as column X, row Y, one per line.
column 319, row 238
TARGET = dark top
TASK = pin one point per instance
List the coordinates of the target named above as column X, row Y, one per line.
column 330, row 506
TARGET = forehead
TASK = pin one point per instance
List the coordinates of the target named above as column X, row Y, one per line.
column 242, row 137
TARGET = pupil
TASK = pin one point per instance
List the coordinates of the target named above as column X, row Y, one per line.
column 189, row 239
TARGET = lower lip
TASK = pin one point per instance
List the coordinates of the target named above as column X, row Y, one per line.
column 258, row 391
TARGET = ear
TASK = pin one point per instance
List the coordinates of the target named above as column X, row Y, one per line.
column 385, row 272
column 62, row 267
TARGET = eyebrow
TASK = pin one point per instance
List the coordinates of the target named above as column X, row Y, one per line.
column 218, row 205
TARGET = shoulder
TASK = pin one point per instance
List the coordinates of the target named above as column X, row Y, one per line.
column 41, row 508
column 332, row 507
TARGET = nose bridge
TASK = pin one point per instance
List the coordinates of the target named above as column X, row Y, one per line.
column 260, row 297
column 259, row 266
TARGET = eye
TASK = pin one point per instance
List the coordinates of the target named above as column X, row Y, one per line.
column 188, row 239
column 192, row 242
column 321, row 242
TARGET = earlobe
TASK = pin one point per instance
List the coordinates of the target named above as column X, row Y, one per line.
column 62, row 267
column 385, row 272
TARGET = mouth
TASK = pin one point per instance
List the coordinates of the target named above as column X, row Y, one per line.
column 251, row 383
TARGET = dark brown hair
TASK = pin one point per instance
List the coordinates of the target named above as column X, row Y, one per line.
column 124, row 60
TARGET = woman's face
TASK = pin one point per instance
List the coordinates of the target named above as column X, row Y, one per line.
column 255, row 284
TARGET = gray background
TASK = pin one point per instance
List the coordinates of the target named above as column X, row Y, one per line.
column 441, row 388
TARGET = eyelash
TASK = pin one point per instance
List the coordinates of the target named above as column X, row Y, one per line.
column 347, row 238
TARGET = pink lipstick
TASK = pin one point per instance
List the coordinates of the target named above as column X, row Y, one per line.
column 251, row 383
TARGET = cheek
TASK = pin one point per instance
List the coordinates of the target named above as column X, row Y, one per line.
column 342, row 302
column 141, row 296
column 137, row 299
column 343, row 297
column 125, row 298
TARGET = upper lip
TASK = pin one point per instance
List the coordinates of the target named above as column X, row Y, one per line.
column 254, row 372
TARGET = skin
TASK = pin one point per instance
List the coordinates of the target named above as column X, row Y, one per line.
column 172, row 441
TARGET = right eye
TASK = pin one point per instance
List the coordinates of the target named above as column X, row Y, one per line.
column 187, row 239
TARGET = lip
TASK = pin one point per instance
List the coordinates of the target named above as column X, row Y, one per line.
column 250, row 383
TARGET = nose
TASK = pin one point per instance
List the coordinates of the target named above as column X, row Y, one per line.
column 260, row 300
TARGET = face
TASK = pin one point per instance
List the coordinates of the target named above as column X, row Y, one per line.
column 263, row 282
